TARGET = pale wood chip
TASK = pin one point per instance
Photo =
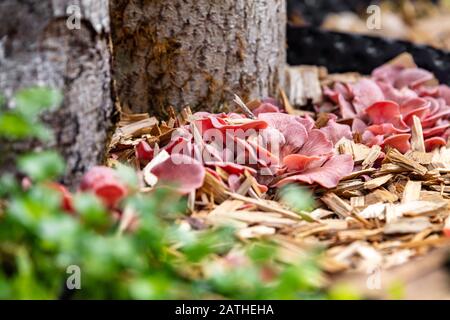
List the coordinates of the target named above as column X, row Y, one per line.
column 133, row 130
column 371, row 157
column 349, row 185
column 226, row 206
column 338, row 205
column 391, row 213
column 245, row 110
column 417, row 142
column 357, row 202
column 416, row 208
column 378, row 182
column 361, row 152
column 245, row 186
column 266, row 205
column 431, row 241
column 303, row 85
column 214, row 187
column 371, row 257
column 344, row 146
column 441, row 158
column 421, row 157
column 359, row 173
column 399, row 159
column 342, row 208
column 255, row 232
column 411, row 191
column 253, row 217
column 397, row 258
column 380, row 195
column 389, row 168
column 321, row 213
column 374, row 211
column 407, row 225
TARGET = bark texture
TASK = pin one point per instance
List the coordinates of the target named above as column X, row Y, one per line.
column 196, row 52
column 38, row 48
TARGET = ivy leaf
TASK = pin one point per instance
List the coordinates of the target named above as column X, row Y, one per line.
column 30, row 102
column 14, row 126
column 42, row 166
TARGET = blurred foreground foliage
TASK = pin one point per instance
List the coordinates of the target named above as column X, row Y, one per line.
column 163, row 258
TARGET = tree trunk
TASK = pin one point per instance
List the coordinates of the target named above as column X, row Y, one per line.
column 38, row 47
column 196, row 52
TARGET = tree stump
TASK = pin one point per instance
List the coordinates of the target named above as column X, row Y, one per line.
column 196, row 52
column 42, row 43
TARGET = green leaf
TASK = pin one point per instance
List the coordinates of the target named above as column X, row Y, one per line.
column 299, row 199
column 127, row 175
column 8, row 185
column 262, row 251
column 16, row 126
column 91, row 209
column 42, row 166
column 30, row 102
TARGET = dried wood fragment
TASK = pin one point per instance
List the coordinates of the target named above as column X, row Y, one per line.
column 407, row 225
column 358, row 234
column 380, row 195
column 357, row 202
column 214, row 187
column 339, row 206
column 371, row 157
column 421, row 157
column 255, row 232
column 399, row 159
column 286, row 104
column 411, row 191
column 378, row 182
column 431, row 241
column 348, row 185
column 391, row 214
column 374, row 211
column 266, row 205
column 359, row 173
column 226, row 206
column 320, row 213
column 245, row 186
column 303, row 85
column 417, row 142
column 416, row 208
column 344, row 146
column 245, row 110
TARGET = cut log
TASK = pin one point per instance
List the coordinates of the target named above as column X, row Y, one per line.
column 197, row 53
column 44, row 43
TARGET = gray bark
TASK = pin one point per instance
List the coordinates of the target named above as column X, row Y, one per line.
column 196, row 52
column 37, row 48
